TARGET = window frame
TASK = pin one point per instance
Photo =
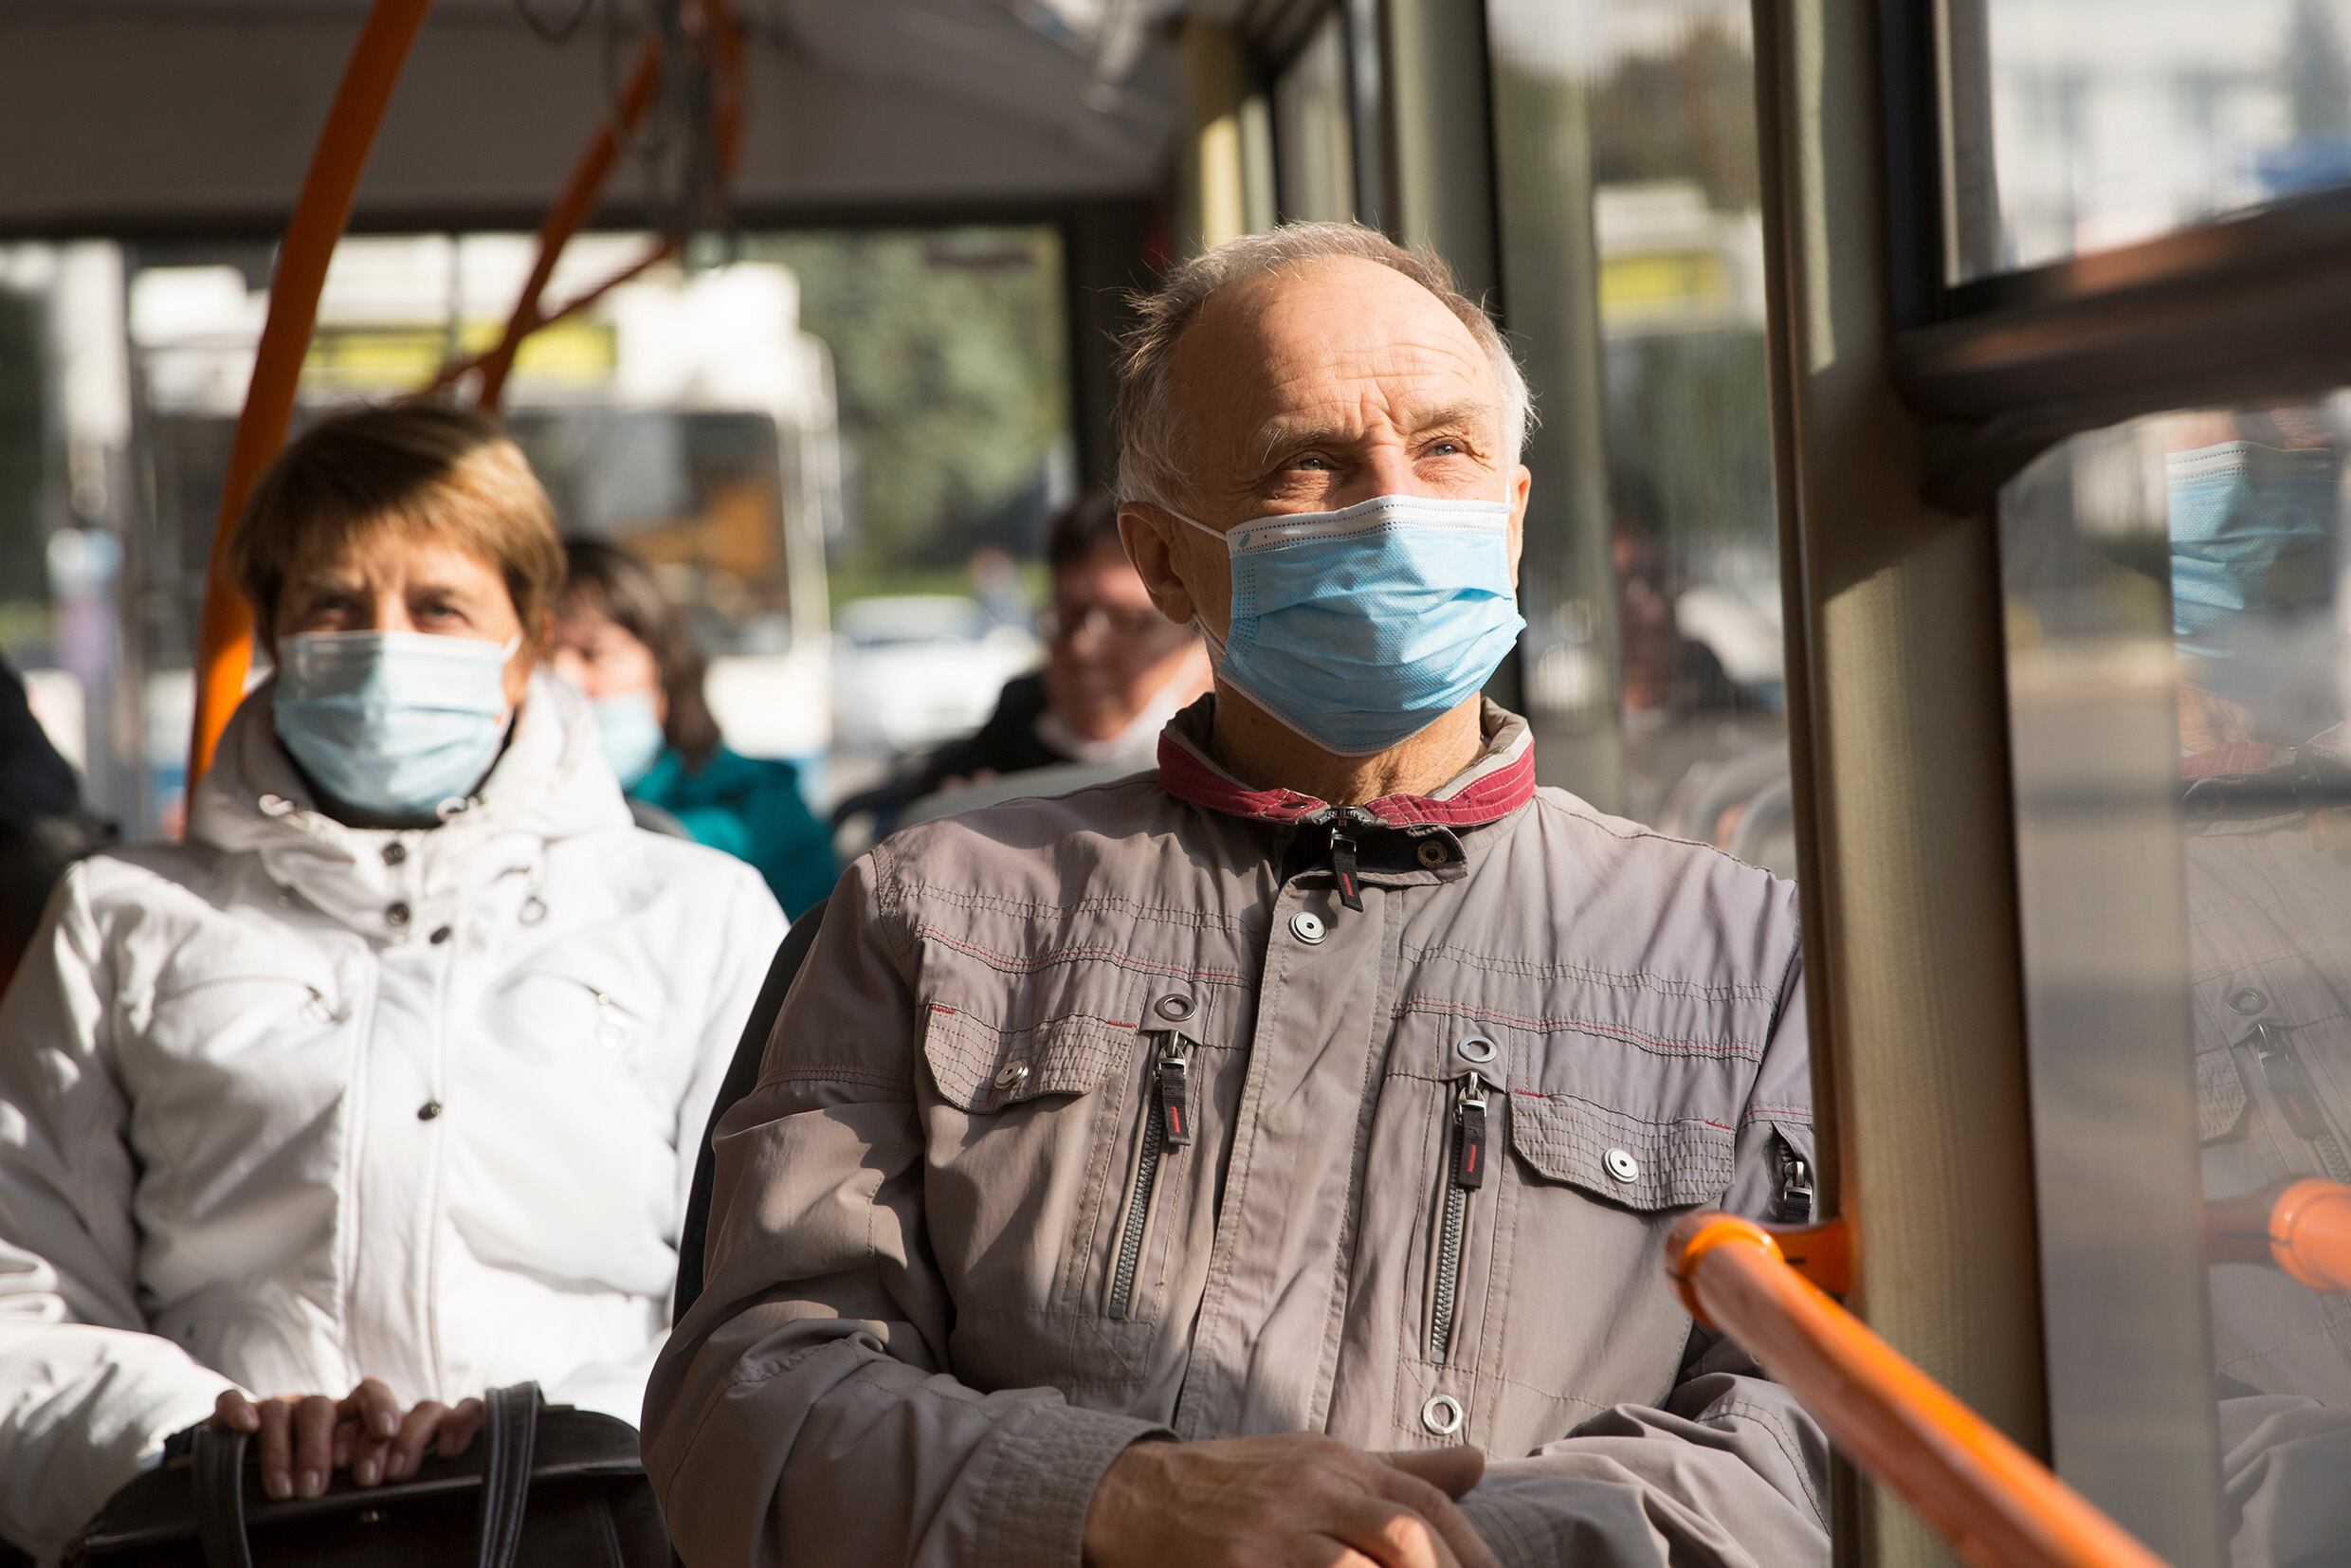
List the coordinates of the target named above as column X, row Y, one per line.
column 2007, row 366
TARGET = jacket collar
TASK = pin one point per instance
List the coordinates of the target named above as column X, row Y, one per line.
column 551, row 783
column 1500, row 781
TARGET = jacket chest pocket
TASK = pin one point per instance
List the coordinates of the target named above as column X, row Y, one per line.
column 1540, row 1297
column 1065, row 1161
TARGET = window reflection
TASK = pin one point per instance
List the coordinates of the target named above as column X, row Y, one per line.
column 2181, row 630
column 2100, row 122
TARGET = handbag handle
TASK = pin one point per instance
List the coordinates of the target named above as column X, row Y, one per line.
column 509, row 1436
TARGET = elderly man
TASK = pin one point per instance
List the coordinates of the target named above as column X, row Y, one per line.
column 1267, row 1162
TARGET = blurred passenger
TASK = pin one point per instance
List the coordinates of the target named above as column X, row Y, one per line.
column 383, row 1088
column 2254, row 522
column 1664, row 674
column 1266, row 1160
column 1116, row 671
column 620, row 640
column 43, row 824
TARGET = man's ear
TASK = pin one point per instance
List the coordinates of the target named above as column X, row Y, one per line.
column 1148, row 533
column 1522, row 485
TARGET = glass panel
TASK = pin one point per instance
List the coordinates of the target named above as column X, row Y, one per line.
column 2079, row 125
column 1632, row 268
column 2179, row 629
column 1313, row 147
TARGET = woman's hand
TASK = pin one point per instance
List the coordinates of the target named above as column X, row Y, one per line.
column 306, row 1436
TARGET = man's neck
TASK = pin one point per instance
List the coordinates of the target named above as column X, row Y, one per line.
column 1264, row 753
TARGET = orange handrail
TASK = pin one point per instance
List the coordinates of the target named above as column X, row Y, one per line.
column 572, row 207
column 2303, row 1226
column 1994, row 1504
column 225, row 638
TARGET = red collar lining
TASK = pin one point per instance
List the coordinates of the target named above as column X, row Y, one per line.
column 1188, row 776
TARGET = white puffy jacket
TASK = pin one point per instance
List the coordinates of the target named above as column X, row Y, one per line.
column 294, row 1103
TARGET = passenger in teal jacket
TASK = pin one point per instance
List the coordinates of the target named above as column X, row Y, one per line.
column 620, row 640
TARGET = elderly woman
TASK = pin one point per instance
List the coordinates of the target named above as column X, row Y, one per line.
column 383, row 1088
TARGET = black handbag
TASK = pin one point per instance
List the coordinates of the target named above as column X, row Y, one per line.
column 538, row 1487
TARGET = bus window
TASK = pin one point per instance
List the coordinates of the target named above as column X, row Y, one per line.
column 1314, row 157
column 1632, row 248
column 2100, row 122
column 2177, row 613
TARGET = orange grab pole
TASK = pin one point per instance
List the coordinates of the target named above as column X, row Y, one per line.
column 224, row 639
column 1994, row 1504
column 2303, row 1226
column 563, row 220
column 660, row 251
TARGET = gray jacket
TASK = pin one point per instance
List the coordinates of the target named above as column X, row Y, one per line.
column 1103, row 1116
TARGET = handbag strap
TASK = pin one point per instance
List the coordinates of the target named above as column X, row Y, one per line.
column 510, row 1432
column 509, row 1435
column 218, row 1457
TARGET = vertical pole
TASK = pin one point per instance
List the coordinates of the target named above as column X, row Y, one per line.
column 225, row 638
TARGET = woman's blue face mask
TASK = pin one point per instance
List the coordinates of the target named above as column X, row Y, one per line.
column 1360, row 628
column 396, row 724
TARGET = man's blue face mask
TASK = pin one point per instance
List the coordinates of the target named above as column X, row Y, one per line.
column 394, row 723
column 2253, row 542
column 1360, row 628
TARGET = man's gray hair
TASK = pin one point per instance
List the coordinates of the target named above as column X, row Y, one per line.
column 1144, row 415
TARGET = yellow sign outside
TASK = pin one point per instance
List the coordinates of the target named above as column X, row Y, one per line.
column 388, row 359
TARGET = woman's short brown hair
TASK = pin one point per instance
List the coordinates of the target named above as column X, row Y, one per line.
column 422, row 470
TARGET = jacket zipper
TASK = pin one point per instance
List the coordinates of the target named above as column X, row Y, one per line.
column 1167, row 1126
column 2290, row 1082
column 1345, row 822
column 1465, row 1173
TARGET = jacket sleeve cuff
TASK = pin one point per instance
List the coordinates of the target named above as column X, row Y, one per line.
column 1041, row 1481
column 1516, row 1528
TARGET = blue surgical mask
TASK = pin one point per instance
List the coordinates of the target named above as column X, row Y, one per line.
column 396, row 724
column 2253, row 542
column 1360, row 628
column 631, row 735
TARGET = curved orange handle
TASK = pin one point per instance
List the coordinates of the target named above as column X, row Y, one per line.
column 1994, row 1504
column 225, row 635
column 2303, row 1226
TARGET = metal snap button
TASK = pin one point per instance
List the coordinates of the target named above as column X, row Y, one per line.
column 428, row 1110
column 440, row 934
column 2246, row 999
column 1441, row 1415
column 1432, row 852
column 533, row 910
column 1307, row 928
column 395, row 853
column 396, row 915
column 1175, row 1009
column 1012, row 1075
column 1477, row 1048
column 1622, row 1165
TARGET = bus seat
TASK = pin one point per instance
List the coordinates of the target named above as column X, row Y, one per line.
column 743, row 1074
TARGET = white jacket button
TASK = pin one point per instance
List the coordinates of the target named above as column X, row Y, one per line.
column 1308, row 927
column 1621, row 1165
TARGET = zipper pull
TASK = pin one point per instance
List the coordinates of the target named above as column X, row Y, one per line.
column 1174, row 1075
column 2287, row 1081
column 1470, row 1136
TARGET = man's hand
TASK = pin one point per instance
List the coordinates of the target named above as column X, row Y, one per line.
column 304, row 1437
column 1298, row 1499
